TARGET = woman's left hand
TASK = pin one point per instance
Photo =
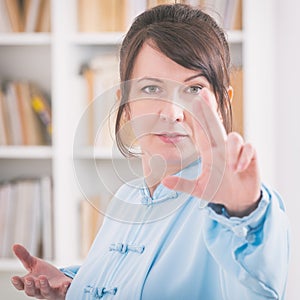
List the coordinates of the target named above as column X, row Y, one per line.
column 229, row 174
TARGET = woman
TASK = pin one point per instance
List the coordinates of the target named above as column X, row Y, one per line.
column 199, row 224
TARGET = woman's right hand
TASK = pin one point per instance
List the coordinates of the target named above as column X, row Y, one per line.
column 43, row 280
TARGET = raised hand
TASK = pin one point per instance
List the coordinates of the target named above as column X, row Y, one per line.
column 43, row 280
column 230, row 173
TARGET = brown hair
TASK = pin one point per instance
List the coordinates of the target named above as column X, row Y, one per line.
column 186, row 35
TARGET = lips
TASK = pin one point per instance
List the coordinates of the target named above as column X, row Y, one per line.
column 171, row 137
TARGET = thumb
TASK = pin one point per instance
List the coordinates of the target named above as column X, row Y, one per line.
column 181, row 184
column 24, row 256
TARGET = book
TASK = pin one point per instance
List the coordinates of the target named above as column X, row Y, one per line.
column 27, row 216
column 15, row 15
column 227, row 13
column 237, row 16
column 27, row 119
column 4, row 211
column 25, row 16
column 4, row 139
column 91, row 218
column 4, row 18
column 104, row 15
column 27, row 226
column 31, row 14
column 41, row 105
column 44, row 17
column 152, row 3
column 47, row 217
column 134, row 8
column 220, row 8
column 7, row 195
column 14, row 121
column 237, row 101
column 31, row 127
column 88, row 75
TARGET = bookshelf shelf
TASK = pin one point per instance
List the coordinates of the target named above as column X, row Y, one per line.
column 103, row 38
column 10, row 264
column 26, row 152
column 23, row 39
column 98, row 153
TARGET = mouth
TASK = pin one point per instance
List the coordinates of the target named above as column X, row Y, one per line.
column 171, row 137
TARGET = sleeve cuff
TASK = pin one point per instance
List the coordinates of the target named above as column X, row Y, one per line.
column 70, row 271
column 241, row 226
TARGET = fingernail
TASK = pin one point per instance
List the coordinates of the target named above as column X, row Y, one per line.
column 42, row 281
column 28, row 282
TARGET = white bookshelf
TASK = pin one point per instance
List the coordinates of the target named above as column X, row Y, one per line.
column 26, row 152
column 22, row 39
column 53, row 61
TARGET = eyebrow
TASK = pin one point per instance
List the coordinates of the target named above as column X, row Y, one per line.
column 159, row 80
column 151, row 79
column 193, row 77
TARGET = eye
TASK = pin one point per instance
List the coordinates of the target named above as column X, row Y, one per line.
column 194, row 89
column 151, row 89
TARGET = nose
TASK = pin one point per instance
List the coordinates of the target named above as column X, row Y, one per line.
column 171, row 112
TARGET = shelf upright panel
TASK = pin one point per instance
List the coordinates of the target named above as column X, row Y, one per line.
column 65, row 209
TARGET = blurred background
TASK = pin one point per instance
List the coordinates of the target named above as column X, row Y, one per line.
column 57, row 56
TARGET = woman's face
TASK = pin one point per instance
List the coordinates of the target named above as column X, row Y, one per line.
column 161, row 111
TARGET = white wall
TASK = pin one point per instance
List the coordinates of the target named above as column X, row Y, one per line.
column 287, row 125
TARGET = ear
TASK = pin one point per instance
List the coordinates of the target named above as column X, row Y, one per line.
column 230, row 93
column 118, row 95
column 126, row 108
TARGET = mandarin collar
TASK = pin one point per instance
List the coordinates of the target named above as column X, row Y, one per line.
column 162, row 193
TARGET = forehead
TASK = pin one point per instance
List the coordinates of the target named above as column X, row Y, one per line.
column 150, row 62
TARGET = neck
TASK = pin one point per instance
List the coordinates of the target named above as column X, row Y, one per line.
column 155, row 169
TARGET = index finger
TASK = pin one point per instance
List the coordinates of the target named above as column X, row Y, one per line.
column 207, row 118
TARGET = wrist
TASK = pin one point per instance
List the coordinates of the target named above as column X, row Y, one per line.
column 244, row 211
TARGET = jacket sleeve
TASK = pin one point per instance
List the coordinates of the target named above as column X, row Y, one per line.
column 253, row 249
column 70, row 271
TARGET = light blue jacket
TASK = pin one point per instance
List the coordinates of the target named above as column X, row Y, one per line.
column 173, row 247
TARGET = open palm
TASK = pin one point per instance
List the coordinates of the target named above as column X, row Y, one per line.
column 43, row 280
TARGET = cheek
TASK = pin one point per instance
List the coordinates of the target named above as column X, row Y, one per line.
column 141, row 107
column 142, row 118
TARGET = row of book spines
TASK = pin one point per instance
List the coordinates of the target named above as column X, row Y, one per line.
column 92, row 211
column 101, row 76
column 116, row 15
column 237, row 103
column 25, row 15
column 25, row 115
column 26, row 216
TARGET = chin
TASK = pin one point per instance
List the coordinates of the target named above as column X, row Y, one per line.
column 180, row 161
